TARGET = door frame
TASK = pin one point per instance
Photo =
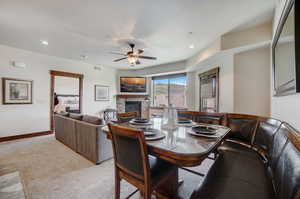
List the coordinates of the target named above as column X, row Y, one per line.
column 54, row 73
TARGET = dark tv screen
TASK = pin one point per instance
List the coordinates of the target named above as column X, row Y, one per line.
column 133, row 84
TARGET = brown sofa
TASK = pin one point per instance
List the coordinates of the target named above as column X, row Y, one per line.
column 259, row 159
column 83, row 134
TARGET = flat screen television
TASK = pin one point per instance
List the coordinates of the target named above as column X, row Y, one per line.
column 286, row 52
column 133, row 84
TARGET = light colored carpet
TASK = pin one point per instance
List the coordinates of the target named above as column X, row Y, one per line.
column 11, row 186
column 50, row 170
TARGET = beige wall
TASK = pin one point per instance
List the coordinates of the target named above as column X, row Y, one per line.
column 252, row 82
column 259, row 33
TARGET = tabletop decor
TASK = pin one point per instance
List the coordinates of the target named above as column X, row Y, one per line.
column 169, row 120
column 16, row 91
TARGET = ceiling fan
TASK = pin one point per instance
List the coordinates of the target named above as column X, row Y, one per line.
column 133, row 56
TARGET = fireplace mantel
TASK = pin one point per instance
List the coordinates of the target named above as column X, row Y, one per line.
column 132, row 96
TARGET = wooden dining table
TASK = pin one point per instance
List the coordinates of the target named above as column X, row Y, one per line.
column 178, row 147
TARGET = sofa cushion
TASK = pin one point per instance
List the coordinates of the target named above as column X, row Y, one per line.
column 242, row 127
column 279, row 142
column 75, row 116
column 265, row 133
column 66, row 114
column 235, row 176
column 286, row 170
column 238, row 148
column 92, row 119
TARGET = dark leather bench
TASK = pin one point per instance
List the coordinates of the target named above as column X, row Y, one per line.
column 260, row 159
column 203, row 117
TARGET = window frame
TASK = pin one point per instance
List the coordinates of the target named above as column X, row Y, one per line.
column 168, row 77
column 208, row 74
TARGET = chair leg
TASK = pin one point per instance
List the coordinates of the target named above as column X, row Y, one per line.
column 147, row 196
column 117, row 185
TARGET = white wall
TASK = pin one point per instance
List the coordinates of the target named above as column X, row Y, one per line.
column 285, row 108
column 226, row 92
column 21, row 119
column 252, row 82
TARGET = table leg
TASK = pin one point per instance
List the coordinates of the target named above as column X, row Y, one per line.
column 169, row 189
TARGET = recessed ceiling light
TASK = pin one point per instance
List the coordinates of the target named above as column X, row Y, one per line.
column 44, row 42
column 191, row 46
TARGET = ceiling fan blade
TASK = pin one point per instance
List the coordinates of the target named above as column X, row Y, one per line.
column 146, row 57
column 115, row 53
column 120, row 59
column 140, row 51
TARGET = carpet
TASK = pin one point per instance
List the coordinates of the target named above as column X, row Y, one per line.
column 50, row 170
column 11, row 186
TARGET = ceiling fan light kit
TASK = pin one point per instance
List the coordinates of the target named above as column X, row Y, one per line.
column 133, row 56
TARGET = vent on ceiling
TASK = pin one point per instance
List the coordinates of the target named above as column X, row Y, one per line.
column 97, row 68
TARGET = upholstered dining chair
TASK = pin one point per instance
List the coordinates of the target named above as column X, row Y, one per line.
column 109, row 114
column 133, row 164
column 126, row 117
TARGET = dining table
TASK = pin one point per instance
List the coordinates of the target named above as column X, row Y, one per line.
column 179, row 146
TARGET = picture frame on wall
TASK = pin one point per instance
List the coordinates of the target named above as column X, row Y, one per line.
column 16, row 91
column 101, row 93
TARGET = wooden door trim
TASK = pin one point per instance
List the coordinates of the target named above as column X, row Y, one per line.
column 54, row 73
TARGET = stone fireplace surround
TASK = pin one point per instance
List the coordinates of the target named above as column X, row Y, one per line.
column 145, row 104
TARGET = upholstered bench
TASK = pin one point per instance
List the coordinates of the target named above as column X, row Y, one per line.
column 260, row 159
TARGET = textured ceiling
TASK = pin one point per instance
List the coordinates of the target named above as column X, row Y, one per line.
column 97, row 27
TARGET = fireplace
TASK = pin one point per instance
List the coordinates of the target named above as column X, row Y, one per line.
column 133, row 106
column 136, row 103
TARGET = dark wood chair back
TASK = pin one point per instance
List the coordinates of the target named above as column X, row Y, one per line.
column 130, row 151
column 126, row 117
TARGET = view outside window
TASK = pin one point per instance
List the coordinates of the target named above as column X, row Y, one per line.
column 177, row 93
column 169, row 91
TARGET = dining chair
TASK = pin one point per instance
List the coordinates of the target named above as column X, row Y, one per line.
column 133, row 164
column 126, row 117
column 109, row 114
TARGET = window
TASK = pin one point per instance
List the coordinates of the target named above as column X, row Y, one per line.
column 169, row 89
column 209, row 91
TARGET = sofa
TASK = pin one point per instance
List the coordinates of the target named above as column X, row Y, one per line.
column 84, row 135
column 259, row 159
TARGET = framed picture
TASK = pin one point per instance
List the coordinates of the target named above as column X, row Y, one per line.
column 16, row 91
column 101, row 93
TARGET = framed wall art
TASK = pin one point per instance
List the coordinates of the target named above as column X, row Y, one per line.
column 101, row 93
column 16, row 91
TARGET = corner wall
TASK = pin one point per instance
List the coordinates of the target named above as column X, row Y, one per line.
column 23, row 119
column 252, row 82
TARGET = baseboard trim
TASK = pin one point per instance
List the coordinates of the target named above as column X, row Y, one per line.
column 29, row 135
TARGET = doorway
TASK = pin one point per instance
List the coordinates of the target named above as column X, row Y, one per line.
column 65, row 93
